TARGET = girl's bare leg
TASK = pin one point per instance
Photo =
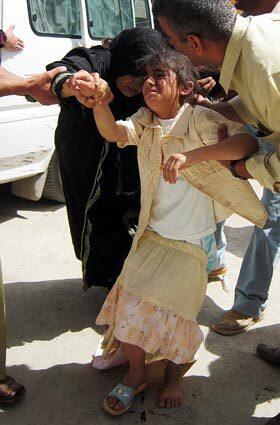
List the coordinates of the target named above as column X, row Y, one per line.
column 171, row 394
column 117, row 358
column 137, row 373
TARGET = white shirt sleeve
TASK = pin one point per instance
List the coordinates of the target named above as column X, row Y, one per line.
column 133, row 129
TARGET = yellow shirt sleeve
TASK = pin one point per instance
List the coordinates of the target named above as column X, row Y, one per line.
column 133, row 129
column 241, row 110
column 269, row 102
column 266, row 169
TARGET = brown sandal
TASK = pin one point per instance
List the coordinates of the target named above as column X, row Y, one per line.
column 11, row 391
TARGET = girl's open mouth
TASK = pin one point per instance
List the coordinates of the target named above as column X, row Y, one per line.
column 150, row 92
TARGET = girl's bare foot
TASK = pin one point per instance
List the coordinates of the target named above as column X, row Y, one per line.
column 117, row 358
column 171, row 394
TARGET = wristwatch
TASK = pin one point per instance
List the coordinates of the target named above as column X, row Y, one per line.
column 232, row 169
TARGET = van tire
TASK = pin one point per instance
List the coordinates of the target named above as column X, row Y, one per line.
column 53, row 187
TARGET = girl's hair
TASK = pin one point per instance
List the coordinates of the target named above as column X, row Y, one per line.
column 167, row 59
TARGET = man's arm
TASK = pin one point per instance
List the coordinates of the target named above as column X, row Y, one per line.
column 37, row 85
column 10, row 83
column 223, row 108
column 227, row 111
column 233, row 148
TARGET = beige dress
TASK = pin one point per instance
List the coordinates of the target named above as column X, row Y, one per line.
column 158, row 295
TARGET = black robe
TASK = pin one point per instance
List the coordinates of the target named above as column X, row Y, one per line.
column 100, row 181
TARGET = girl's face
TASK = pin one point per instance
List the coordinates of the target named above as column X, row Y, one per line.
column 129, row 85
column 162, row 93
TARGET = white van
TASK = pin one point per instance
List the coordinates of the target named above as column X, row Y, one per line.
column 49, row 29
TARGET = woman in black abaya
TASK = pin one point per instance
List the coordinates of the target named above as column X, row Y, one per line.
column 100, row 181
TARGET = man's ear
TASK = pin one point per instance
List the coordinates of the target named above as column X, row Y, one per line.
column 195, row 44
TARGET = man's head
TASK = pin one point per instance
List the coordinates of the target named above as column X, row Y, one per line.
column 256, row 7
column 198, row 28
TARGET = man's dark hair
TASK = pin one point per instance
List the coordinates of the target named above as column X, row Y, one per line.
column 209, row 19
column 165, row 60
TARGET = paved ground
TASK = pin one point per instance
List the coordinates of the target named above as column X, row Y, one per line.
column 51, row 336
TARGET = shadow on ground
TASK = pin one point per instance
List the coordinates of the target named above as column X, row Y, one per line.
column 41, row 311
column 238, row 239
column 226, row 392
column 11, row 204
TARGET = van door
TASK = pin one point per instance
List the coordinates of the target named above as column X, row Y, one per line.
column 49, row 29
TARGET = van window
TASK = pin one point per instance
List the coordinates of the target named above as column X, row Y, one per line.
column 55, row 17
column 108, row 17
column 142, row 13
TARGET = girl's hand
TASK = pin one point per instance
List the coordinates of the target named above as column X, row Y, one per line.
column 79, row 76
column 92, row 87
column 177, row 162
column 171, row 167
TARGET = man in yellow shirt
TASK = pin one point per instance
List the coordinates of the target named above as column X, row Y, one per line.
column 210, row 32
column 244, row 49
column 256, row 272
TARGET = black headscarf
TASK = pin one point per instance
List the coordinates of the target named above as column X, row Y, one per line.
column 129, row 47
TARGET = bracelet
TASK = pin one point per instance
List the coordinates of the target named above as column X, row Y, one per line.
column 57, row 83
column 232, row 169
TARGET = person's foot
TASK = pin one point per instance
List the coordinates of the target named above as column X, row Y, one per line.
column 234, row 323
column 171, row 394
column 269, row 354
column 10, row 391
column 274, row 421
column 134, row 379
column 117, row 358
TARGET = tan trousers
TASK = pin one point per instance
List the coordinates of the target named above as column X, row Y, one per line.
column 2, row 329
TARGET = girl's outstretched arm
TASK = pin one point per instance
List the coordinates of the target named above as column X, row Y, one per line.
column 107, row 126
column 235, row 147
column 94, row 92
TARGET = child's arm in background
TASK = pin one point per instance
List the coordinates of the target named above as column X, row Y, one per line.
column 235, row 147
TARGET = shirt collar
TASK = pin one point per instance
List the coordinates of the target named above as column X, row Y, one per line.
column 233, row 51
column 178, row 128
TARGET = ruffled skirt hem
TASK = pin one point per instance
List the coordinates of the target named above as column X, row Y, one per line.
column 161, row 333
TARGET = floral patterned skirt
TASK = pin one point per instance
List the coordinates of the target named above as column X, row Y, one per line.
column 159, row 332
column 155, row 302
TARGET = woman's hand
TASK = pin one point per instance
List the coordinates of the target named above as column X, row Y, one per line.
column 175, row 163
column 90, row 89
